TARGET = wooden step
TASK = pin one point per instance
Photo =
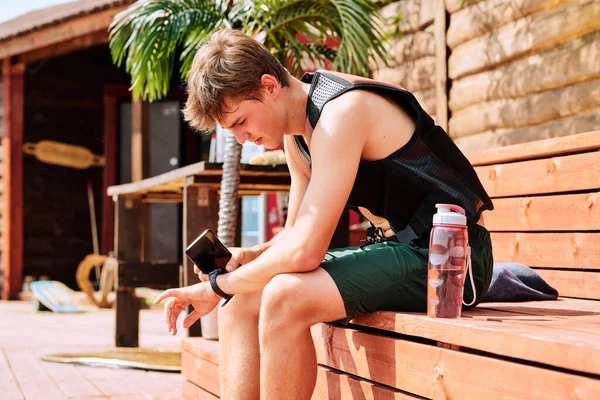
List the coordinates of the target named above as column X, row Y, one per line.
column 200, row 359
column 550, row 345
column 440, row 373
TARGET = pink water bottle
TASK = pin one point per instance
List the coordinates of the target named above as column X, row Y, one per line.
column 449, row 258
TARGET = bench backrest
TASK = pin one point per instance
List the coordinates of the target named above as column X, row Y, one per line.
column 547, row 209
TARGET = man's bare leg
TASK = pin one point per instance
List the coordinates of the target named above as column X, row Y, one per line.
column 239, row 357
column 291, row 304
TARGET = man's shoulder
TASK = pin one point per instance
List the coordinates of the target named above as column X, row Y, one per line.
column 352, row 105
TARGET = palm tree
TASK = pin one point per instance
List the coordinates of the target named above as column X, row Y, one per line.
column 151, row 35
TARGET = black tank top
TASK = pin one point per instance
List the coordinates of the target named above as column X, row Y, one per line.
column 403, row 188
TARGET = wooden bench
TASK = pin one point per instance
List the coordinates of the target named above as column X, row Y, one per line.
column 547, row 216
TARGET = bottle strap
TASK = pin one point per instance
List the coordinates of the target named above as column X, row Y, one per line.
column 470, row 272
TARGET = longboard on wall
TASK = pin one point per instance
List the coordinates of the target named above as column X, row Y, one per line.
column 66, row 155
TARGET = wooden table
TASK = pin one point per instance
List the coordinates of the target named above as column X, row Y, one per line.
column 197, row 187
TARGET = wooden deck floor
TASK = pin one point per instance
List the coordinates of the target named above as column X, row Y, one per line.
column 25, row 336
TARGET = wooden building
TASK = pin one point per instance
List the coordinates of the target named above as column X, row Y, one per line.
column 500, row 72
column 59, row 84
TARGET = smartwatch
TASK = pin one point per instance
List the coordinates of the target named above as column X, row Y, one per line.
column 213, row 284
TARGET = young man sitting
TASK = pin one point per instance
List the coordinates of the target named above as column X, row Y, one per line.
column 350, row 142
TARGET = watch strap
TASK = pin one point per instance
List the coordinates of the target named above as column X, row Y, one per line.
column 212, row 278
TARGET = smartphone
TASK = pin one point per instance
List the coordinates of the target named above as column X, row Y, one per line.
column 208, row 253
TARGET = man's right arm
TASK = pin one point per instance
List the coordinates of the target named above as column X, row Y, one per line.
column 299, row 184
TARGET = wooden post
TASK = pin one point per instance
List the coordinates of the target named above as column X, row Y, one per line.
column 441, row 66
column 140, row 164
column 200, row 212
column 110, row 170
column 12, row 144
column 128, row 243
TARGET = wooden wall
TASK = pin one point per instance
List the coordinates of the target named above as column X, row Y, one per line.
column 522, row 70
column 64, row 103
column 516, row 71
column 413, row 53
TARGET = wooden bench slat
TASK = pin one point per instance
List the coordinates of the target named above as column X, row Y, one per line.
column 200, row 372
column 581, row 284
column 569, row 212
column 202, row 348
column 578, row 351
column 193, row 392
column 199, row 364
column 436, row 372
column 333, row 385
column 562, row 307
column 583, row 324
column 548, row 250
column 551, row 175
column 537, row 149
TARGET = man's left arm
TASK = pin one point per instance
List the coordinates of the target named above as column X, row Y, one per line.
column 336, row 148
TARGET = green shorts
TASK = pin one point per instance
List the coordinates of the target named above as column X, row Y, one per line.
column 392, row 276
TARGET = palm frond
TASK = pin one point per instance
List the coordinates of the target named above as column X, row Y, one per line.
column 355, row 24
column 148, row 34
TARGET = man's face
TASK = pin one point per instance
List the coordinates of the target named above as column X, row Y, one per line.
column 255, row 121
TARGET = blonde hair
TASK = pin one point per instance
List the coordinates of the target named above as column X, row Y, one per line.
column 228, row 67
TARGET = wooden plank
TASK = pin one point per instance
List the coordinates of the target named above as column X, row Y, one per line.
column 200, row 359
column 522, row 37
column 573, row 283
column 549, row 175
column 70, row 381
column 413, row 46
column 33, row 380
column 67, row 30
column 175, row 177
column 131, row 235
column 200, row 372
column 562, row 307
column 140, row 139
column 453, row 6
column 412, row 75
column 485, row 16
column 193, row 392
column 525, row 111
column 13, row 80
column 333, row 384
column 569, row 212
column 127, row 322
column 436, row 372
column 64, row 47
column 577, row 351
column 202, row 348
column 573, row 125
column 564, row 65
column 109, row 173
column 416, row 15
column 153, row 274
column 589, row 325
column 441, row 60
column 548, row 250
column 8, row 383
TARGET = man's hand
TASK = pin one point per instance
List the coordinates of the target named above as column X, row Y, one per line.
column 200, row 296
column 239, row 256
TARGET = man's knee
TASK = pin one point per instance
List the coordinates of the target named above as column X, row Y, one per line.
column 283, row 302
column 242, row 307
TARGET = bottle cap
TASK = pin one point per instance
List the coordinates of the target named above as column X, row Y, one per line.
column 449, row 214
